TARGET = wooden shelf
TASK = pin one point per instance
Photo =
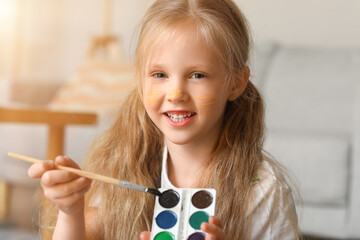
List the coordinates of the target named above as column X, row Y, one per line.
column 41, row 115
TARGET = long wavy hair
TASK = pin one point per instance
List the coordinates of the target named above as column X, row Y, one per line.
column 132, row 148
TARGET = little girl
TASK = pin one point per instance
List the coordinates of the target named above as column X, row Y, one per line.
column 194, row 120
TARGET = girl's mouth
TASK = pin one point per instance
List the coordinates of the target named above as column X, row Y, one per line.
column 179, row 119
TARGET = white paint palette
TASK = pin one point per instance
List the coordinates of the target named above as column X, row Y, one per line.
column 178, row 213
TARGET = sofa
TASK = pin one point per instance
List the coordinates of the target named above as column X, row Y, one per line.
column 312, row 99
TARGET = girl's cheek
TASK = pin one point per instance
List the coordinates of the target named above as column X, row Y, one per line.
column 206, row 97
column 151, row 96
column 205, row 100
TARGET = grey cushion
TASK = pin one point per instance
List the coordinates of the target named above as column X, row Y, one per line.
column 312, row 90
column 320, row 164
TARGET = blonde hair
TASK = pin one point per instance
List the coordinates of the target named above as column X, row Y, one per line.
column 131, row 149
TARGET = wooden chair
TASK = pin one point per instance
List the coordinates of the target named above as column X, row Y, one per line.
column 56, row 122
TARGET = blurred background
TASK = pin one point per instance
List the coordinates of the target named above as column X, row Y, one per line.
column 61, row 57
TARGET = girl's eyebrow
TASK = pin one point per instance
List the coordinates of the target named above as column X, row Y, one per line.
column 202, row 66
column 190, row 67
column 155, row 66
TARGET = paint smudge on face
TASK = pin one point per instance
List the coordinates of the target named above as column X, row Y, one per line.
column 152, row 96
column 173, row 93
column 206, row 104
column 205, row 100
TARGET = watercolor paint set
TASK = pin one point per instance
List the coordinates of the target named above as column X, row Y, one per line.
column 178, row 213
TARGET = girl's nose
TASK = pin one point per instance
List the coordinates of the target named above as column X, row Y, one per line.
column 177, row 95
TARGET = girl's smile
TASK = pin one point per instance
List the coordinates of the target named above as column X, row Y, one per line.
column 179, row 118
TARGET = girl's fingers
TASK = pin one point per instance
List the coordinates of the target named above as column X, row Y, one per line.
column 216, row 221
column 51, row 178
column 145, row 236
column 213, row 229
column 70, row 199
column 66, row 161
column 70, row 204
column 36, row 170
column 66, row 189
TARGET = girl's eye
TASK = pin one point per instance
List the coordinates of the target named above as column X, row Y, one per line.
column 198, row 75
column 159, row 75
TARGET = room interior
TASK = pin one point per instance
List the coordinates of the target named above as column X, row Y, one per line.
column 65, row 66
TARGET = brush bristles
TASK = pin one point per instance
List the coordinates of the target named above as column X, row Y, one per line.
column 154, row 191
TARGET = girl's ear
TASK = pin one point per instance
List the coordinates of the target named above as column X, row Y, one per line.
column 240, row 82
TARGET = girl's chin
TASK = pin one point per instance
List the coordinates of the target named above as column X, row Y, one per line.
column 178, row 139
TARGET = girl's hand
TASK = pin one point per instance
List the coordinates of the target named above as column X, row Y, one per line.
column 213, row 229
column 65, row 189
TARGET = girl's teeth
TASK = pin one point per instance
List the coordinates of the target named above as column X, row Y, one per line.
column 179, row 118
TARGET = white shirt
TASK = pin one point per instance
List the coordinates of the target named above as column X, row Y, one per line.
column 269, row 202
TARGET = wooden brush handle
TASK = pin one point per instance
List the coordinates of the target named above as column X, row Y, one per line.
column 79, row 172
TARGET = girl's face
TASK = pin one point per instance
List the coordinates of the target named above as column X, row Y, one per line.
column 184, row 89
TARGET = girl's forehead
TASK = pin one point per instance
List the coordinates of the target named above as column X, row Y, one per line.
column 178, row 36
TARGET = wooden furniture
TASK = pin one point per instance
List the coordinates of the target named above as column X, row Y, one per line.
column 56, row 122
column 3, row 200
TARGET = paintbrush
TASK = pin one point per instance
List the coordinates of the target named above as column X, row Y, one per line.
column 92, row 176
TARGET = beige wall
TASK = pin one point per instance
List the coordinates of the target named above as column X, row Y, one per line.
column 52, row 37
column 319, row 23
